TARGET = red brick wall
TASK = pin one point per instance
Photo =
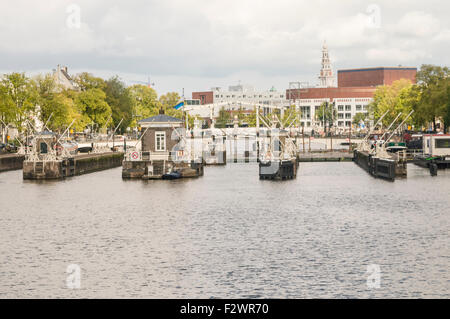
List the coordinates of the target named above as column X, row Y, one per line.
column 393, row 75
column 338, row 93
column 374, row 76
column 204, row 97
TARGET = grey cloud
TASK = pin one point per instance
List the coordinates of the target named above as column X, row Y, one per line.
column 178, row 40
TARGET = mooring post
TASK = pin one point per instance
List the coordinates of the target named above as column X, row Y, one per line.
column 303, row 136
column 235, row 149
column 257, row 132
column 309, row 146
column 350, row 139
column 331, row 137
column 247, row 150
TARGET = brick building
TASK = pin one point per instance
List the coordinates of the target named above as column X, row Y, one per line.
column 374, row 76
column 354, row 93
column 206, row 97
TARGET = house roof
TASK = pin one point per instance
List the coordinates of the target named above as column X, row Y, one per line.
column 161, row 118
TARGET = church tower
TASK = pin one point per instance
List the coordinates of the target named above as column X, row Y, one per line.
column 326, row 77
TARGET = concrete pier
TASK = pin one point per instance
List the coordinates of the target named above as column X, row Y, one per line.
column 325, row 157
column 9, row 162
column 77, row 165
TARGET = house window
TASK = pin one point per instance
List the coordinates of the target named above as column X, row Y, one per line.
column 340, row 107
column 348, row 115
column 341, row 123
column 348, row 107
column 340, row 115
column 160, row 141
column 358, row 107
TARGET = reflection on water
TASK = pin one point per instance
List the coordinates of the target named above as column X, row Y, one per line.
column 227, row 234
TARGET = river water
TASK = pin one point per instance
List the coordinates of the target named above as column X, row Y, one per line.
column 228, row 235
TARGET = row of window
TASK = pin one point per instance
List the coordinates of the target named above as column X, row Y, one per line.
column 247, row 96
column 346, row 123
column 340, row 123
column 347, row 115
column 349, row 107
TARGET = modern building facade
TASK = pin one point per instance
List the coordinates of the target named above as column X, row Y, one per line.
column 352, row 95
column 355, row 91
column 237, row 98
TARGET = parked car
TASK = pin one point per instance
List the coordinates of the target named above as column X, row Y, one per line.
column 8, row 148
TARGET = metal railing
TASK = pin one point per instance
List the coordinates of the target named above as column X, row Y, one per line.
column 175, row 156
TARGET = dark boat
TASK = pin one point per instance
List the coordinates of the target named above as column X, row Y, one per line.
column 172, row 175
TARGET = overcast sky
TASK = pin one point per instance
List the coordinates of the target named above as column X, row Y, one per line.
column 199, row 44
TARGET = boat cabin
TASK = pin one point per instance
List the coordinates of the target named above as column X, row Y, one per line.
column 436, row 144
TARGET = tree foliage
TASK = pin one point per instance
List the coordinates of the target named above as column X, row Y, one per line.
column 429, row 98
column 393, row 99
column 20, row 97
column 120, row 101
column 168, row 101
column 92, row 103
column 223, row 119
column 145, row 102
column 326, row 114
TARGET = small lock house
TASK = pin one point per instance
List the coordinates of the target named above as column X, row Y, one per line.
column 159, row 155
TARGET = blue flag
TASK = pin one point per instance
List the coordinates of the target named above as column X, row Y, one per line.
column 178, row 106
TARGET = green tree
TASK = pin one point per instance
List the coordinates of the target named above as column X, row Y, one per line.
column 87, row 81
column 326, row 114
column 92, row 105
column 121, row 102
column 432, row 81
column 53, row 103
column 168, row 101
column 251, row 119
column 223, row 119
column 145, row 101
column 20, row 97
column 291, row 115
column 393, row 99
column 360, row 117
column 7, row 106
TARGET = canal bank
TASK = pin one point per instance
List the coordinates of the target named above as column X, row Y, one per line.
column 9, row 162
column 72, row 166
